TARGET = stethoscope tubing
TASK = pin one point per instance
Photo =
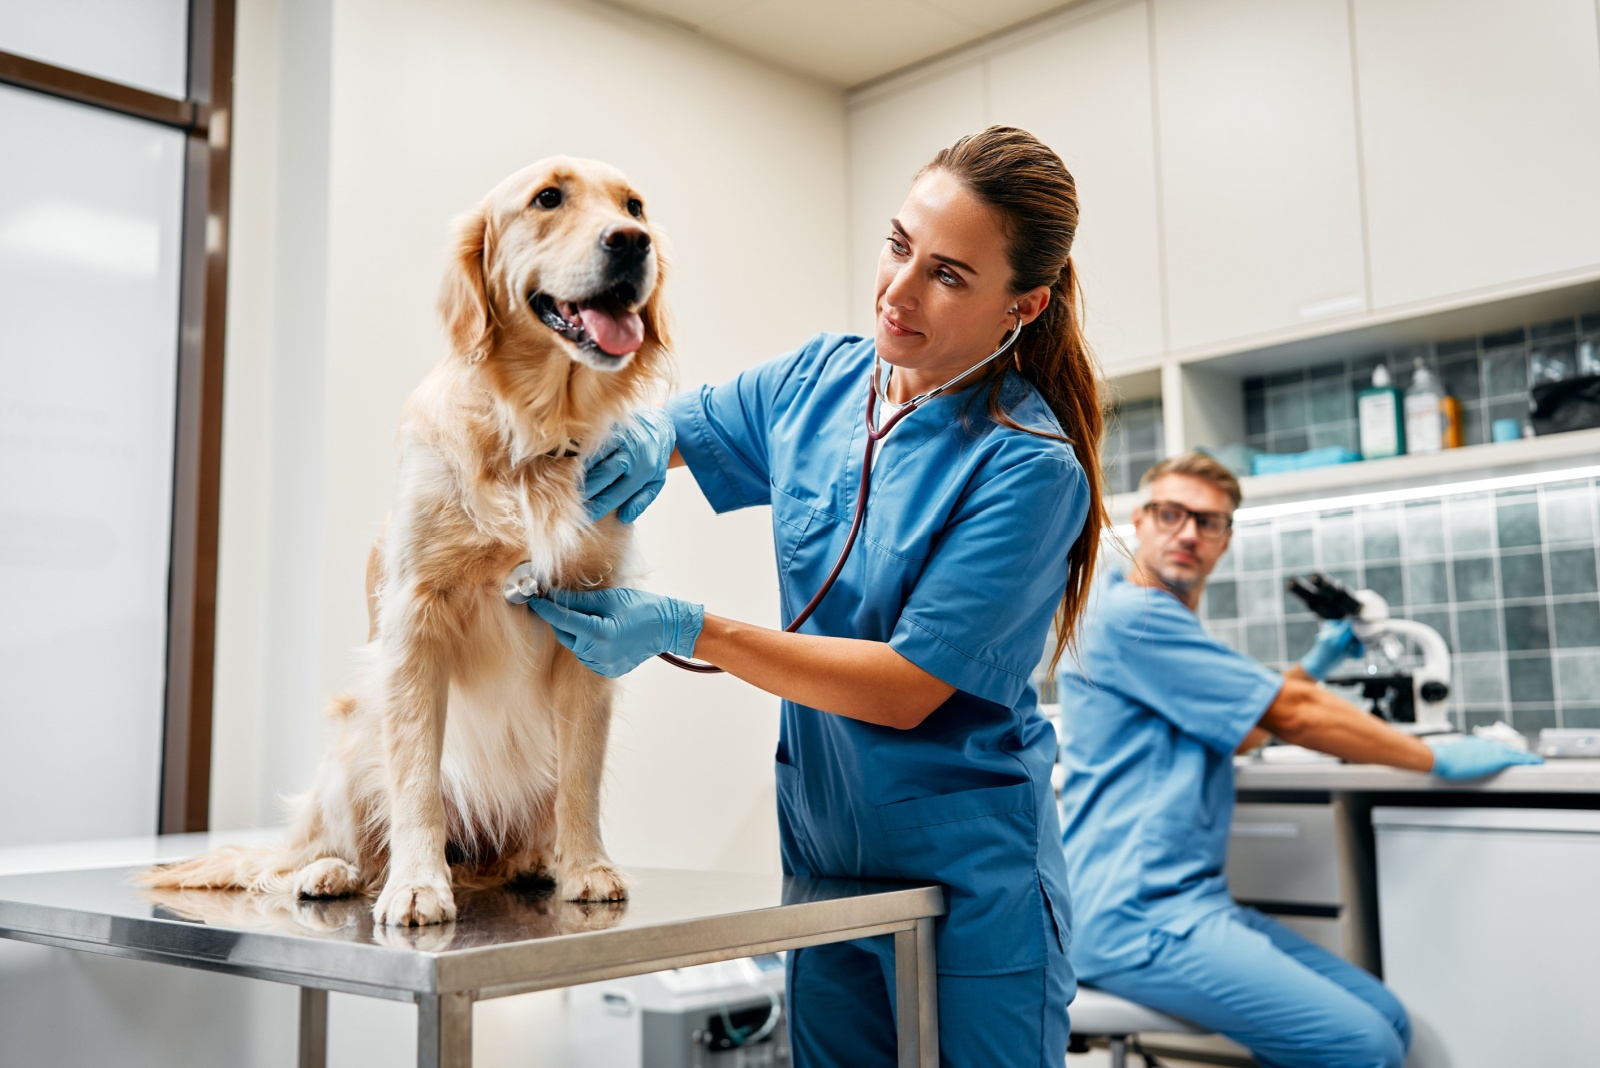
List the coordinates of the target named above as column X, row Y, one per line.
column 875, row 434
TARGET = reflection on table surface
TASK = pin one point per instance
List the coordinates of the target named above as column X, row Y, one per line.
column 515, row 913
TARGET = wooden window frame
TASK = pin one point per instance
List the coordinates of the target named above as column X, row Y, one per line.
column 205, row 117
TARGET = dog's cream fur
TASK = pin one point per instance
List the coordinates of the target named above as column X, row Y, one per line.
column 509, row 780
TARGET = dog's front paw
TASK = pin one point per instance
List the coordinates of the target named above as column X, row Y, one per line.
column 594, row 880
column 327, row 877
column 414, row 902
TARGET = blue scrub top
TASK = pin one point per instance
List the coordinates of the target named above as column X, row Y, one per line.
column 1154, row 709
column 960, row 567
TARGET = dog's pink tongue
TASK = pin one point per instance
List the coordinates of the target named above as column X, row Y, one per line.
column 617, row 332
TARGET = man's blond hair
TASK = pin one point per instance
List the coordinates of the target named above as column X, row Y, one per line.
column 1197, row 465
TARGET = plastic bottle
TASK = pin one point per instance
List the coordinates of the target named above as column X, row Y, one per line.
column 1433, row 417
column 1378, row 413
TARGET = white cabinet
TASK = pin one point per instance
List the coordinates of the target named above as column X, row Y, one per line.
column 1085, row 90
column 892, row 136
column 1260, row 186
column 1489, row 932
column 1480, row 128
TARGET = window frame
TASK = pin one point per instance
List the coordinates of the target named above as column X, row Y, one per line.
column 205, row 117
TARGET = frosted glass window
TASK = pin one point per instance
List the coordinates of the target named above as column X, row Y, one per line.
column 90, row 222
column 137, row 42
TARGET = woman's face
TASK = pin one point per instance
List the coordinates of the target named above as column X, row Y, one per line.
column 944, row 295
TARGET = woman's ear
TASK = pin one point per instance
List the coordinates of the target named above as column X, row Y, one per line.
column 464, row 298
column 1030, row 305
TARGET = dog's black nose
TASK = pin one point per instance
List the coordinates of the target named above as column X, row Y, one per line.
column 625, row 242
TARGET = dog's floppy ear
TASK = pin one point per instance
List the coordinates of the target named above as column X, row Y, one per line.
column 464, row 300
column 654, row 312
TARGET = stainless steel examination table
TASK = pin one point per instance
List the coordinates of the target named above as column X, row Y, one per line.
column 506, row 941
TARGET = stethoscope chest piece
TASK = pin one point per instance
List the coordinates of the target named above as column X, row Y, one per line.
column 521, row 586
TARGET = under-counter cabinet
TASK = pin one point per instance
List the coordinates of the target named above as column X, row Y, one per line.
column 1261, row 198
column 1490, row 933
column 1085, row 90
column 1480, row 142
column 1301, row 863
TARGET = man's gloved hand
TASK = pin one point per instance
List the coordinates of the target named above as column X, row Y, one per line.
column 1335, row 643
column 1473, row 758
column 614, row 631
column 630, row 469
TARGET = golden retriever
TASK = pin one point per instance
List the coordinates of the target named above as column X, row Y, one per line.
column 472, row 744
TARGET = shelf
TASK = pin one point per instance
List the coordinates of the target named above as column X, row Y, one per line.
column 1529, row 455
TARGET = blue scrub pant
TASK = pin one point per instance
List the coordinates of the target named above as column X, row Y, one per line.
column 1289, row 1001
column 842, row 1015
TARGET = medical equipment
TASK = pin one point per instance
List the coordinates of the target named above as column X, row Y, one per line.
column 723, row 1015
column 522, row 585
column 875, row 434
column 1411, row 698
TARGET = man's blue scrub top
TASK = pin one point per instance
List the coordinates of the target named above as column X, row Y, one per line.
column 960, row 567
column 1153, row 710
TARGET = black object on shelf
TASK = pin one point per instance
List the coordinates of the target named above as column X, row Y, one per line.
column 1570, row 404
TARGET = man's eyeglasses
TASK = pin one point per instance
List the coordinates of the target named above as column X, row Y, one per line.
column 1170, row 516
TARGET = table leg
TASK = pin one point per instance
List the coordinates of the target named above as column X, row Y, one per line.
column 313, row 1028
column 916, row 985
column 444, row 1030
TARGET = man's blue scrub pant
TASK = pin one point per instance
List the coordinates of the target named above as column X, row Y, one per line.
column 842, row 1015
column 1289, row 1001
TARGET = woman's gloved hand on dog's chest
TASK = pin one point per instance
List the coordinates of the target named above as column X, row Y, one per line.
column 614, row 631
column 630, row 469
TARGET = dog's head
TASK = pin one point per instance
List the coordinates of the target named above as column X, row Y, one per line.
column 561, row 255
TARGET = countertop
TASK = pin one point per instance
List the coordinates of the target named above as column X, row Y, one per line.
column 1552, row 777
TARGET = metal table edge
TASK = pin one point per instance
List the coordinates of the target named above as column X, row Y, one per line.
column 333, row 965
column 472, row 968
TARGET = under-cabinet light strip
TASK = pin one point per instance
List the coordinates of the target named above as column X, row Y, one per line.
column 1415, row 493
column 1397, row 496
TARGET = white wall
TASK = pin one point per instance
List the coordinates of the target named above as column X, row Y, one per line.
column 362, row 128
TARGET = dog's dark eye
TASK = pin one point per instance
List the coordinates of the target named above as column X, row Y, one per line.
column 635, row 207
column 548, row 198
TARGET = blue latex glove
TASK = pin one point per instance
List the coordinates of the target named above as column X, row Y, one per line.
column 1473, row 758
column 630, row 469
column 1335, row 643
column 614, row 631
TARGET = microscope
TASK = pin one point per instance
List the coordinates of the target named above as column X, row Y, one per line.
column 1412, row 698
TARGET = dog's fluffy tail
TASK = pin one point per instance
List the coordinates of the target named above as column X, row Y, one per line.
column 263, row 868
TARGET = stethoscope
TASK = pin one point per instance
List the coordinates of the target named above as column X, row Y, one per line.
column 875, row 434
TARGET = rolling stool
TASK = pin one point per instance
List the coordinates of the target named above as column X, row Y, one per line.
column 1097, row 1014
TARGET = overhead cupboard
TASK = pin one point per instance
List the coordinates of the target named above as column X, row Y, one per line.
column 1266, row 184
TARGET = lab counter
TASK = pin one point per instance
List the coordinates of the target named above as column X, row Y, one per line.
column 1554, row 777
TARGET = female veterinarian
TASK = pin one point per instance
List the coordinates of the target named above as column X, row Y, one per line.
column 911, row 746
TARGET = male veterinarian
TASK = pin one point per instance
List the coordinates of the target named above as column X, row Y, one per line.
column 1155, row 710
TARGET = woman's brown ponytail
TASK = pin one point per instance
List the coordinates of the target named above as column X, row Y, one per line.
column 1028, row 186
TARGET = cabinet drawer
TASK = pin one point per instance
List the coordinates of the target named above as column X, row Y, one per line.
column 1285, row 853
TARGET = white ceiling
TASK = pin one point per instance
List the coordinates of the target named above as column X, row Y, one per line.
column 845, row 42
